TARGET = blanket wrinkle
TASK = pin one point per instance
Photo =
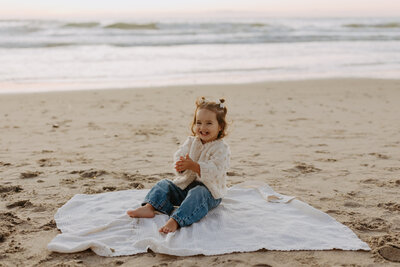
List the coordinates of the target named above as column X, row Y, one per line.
column 269, row 197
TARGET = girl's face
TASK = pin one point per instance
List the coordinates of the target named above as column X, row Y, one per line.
column 207, row 127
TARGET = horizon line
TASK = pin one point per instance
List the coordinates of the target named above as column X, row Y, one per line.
column 185, row 14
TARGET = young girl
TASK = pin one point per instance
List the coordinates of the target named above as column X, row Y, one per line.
column 201, row 164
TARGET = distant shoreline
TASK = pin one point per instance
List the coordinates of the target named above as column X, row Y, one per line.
column 62, row 88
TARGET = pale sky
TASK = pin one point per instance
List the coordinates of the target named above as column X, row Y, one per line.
column 22, row 9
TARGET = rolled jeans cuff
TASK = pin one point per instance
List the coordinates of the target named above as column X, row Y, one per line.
column 190, row 219
column 178, row 220
column 159, row 207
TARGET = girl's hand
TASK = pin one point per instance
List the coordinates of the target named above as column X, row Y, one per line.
column 186, row 163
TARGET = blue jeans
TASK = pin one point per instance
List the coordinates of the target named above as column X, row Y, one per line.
column 194, row 201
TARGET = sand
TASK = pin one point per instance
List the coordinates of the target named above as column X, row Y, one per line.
column 331, row 143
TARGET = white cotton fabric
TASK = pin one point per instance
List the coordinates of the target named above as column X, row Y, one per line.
column 213, row 158
column 244, row 221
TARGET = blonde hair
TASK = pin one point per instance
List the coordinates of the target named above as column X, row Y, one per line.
column 218, row 108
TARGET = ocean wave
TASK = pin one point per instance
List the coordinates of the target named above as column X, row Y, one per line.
column 49, row 45
column 379, row 25
column 124, row 33
column 19, row 29
column 135, row 42
column 132, row 26
column 225, row 26
column 82, row 25
column 258, row 25
column 26, row 29
column 37, row 45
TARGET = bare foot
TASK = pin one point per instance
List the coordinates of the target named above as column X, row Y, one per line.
column 169, row 227
column 146, row 211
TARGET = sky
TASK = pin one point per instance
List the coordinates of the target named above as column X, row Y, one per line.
column 23, row 9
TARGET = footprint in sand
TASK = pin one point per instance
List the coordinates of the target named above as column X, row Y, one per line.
column 68, row 181
column 297, row 119
column 327, row 160
column 29, row 174
column 369, row 224
column 303, row 168
column 383, row 240
column 48, row 162
column 136, row 185
column 379, row 156
column 321, row 151
column 151, row 179
column 143, row 177
column 91, row 173
column 232, row 173
column 390, row 253
column 380, row 183
column 10, row 189
column 325, row 199
column 8, row 221
column 91, row 191
column 49, row 226
column 395, row 182
column 353, row 193
column 130, row 176
column 352, row 204
column 370, row 181
column 391, row 169
column 20, row 203
column 391, row 206
column 40, row 208
column 4, row 164
column 339, row 212
column 93, row 126
column 109, row 188
column 46, row 151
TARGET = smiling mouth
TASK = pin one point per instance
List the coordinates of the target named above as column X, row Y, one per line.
column 204, row 133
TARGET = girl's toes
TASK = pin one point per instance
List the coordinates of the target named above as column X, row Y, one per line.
column 165, row 230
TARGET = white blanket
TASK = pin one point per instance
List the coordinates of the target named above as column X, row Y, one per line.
column 250, row 217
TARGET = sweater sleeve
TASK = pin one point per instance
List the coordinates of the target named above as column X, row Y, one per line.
column 181, row 152
column 214, row 169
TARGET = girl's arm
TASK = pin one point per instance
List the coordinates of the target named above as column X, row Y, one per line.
column 216, row 166
column 181, row 152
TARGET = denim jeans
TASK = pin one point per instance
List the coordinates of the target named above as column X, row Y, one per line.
column 194, row 201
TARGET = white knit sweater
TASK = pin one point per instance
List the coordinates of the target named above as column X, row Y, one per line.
column 213, row 158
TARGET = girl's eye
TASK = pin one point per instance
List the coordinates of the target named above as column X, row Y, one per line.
column 198, row 123
column 209, row 123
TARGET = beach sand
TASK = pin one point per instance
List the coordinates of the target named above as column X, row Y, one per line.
column 333, row 144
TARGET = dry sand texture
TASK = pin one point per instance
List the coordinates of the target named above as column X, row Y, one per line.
column 331, row 143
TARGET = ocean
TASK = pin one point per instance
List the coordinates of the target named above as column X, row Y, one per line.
column 49, row 55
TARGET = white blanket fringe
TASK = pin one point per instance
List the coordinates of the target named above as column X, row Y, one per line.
column 243, row 222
